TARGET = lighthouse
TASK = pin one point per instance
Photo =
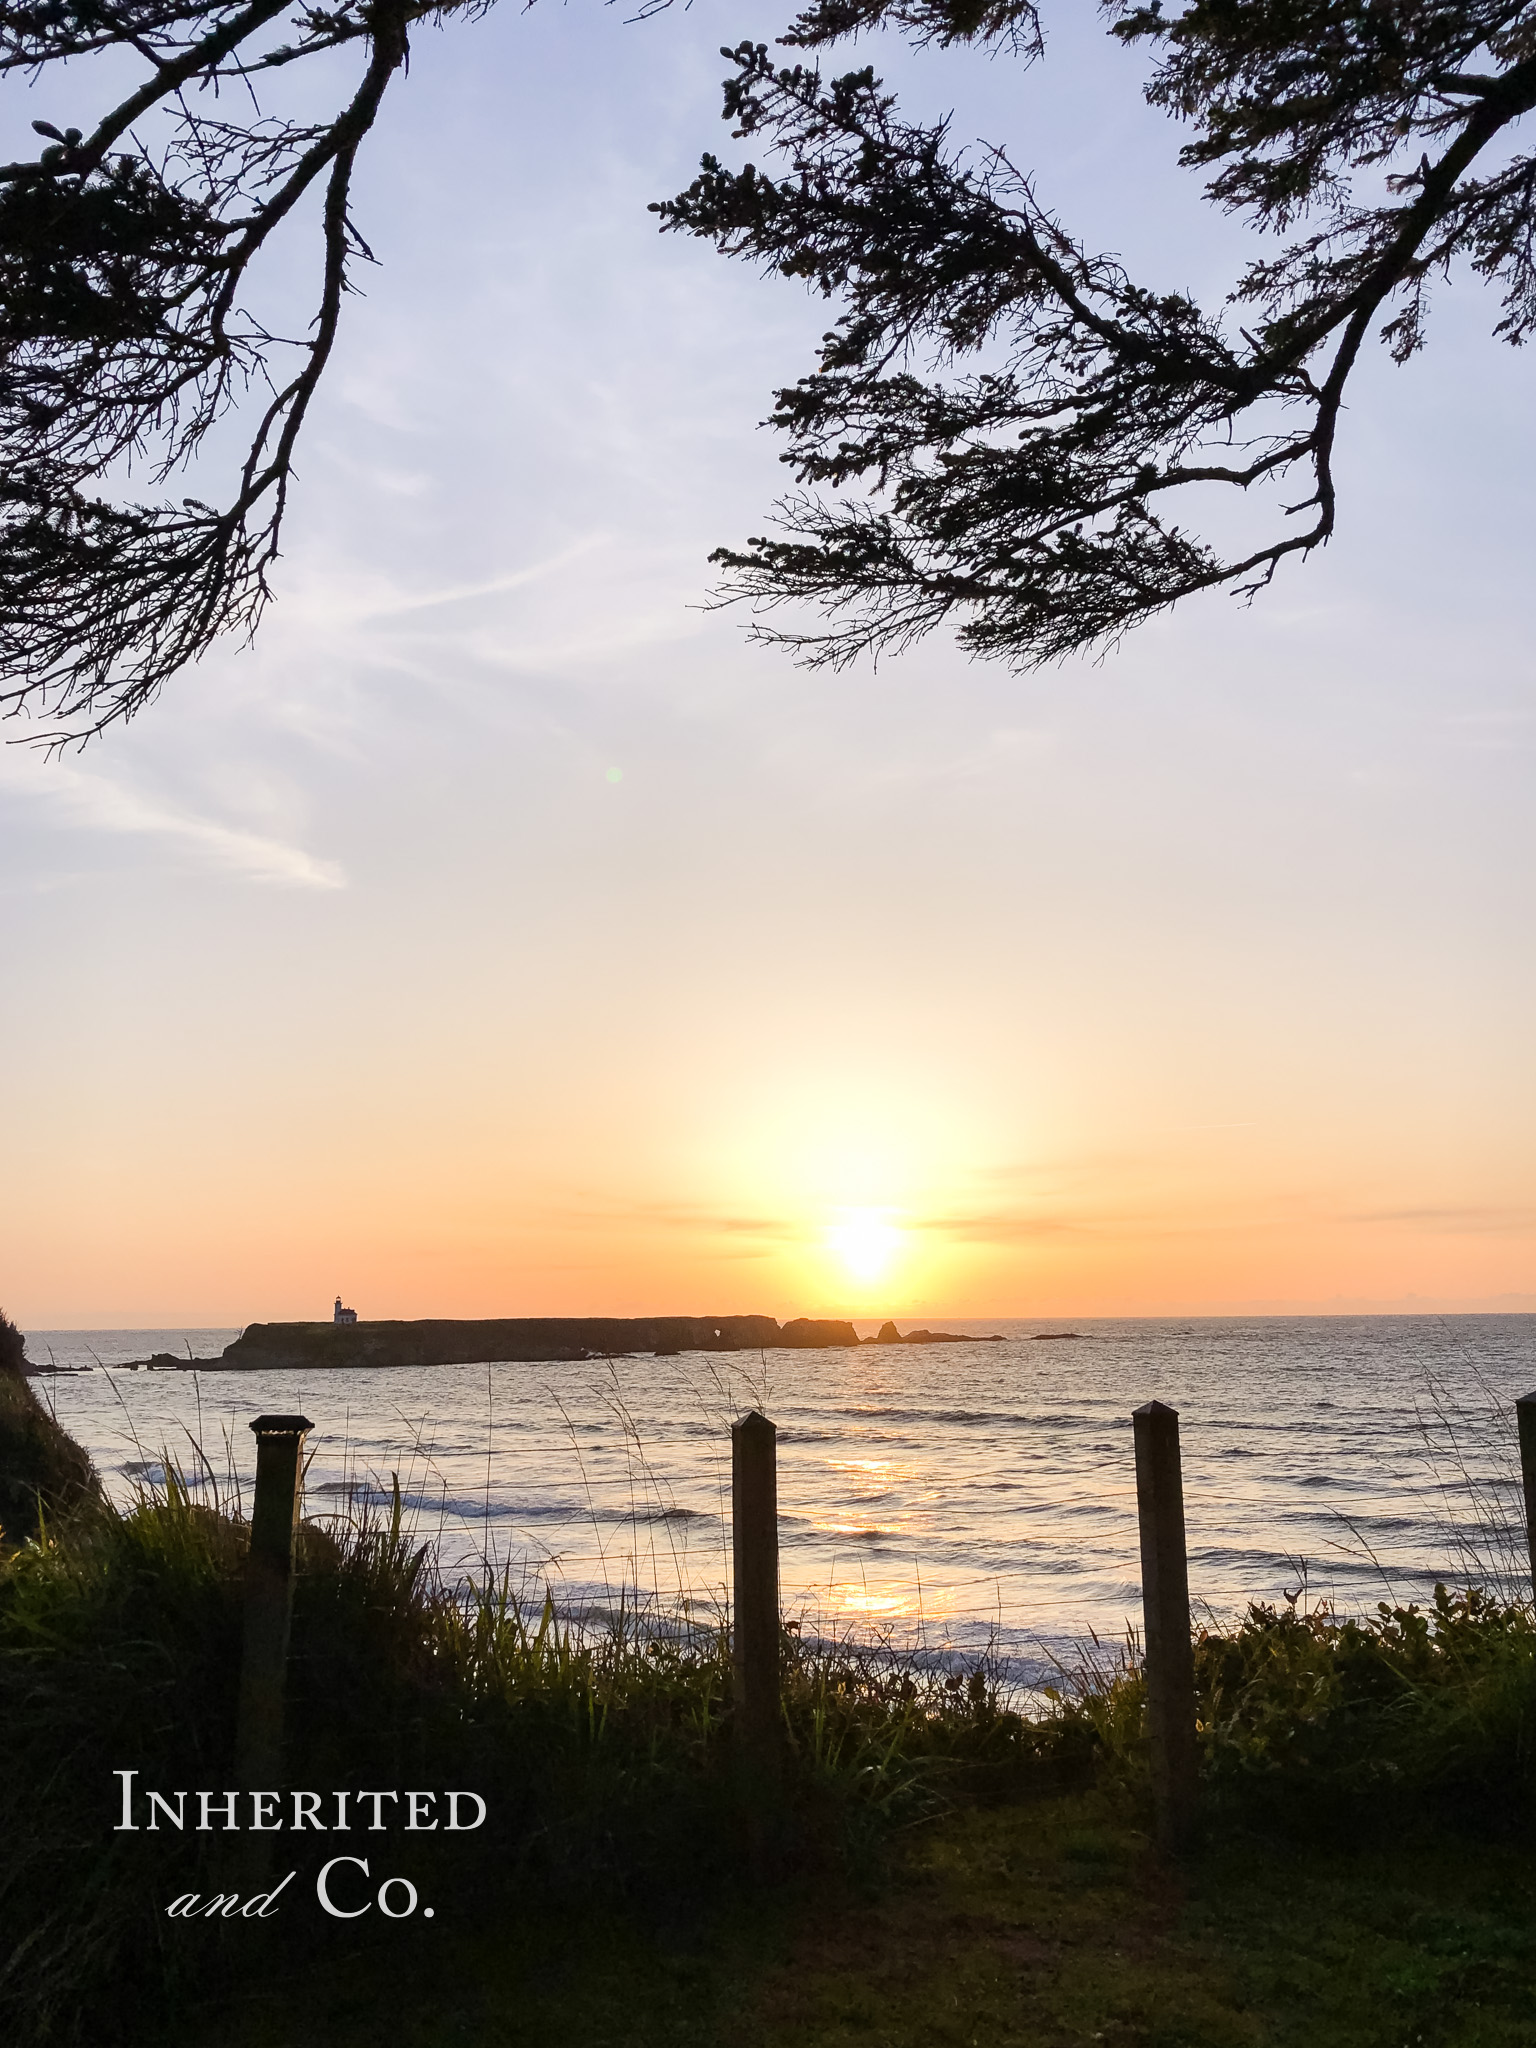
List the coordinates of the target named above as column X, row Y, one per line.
column 344, row 1315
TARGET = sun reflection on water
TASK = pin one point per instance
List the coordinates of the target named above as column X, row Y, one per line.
column 859, row 1600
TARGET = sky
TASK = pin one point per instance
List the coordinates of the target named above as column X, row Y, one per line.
column 503, row 933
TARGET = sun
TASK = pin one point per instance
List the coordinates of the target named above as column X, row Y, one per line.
column 866, row 1242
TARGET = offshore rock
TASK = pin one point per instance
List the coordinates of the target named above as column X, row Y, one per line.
column 806, row 1334
column 889, row 1334
column 517, row 1339
column 947, row 1337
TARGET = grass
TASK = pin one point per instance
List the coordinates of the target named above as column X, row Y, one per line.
column 936, row 1866
column 598, row 1750
column 1033, row 1923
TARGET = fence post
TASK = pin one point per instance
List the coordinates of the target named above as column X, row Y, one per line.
column 755, row 1592
column 1525, row 1418
column 268, row 1601
column 1169, row 1660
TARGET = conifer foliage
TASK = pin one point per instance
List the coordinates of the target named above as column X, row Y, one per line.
column 129, row 252
column 1003, row 430
column 1006, row 431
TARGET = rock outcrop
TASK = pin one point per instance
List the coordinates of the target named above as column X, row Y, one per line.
column 889, row 1334
column 520, row 1339
column 806, row 1334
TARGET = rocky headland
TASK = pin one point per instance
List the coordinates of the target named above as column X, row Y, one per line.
column 518, row 1339
column 43, row 1471
column 529, row 1340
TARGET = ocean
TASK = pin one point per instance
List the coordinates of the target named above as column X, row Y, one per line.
column 955, row 1498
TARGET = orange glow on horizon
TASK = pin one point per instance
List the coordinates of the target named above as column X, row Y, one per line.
column 895, row 1196
column 504, row 934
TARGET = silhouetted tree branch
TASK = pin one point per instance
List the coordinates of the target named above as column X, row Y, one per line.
column 1034, row 502
column 125, row 255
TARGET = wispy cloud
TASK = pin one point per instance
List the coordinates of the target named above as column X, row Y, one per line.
column 359, row 597
column 995, row 1226
column 495, row 586
column 1000, row 1227
column 1465, row 1217
column 95, row 803
column 691, row 1218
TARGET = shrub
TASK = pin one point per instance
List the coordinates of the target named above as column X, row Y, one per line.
column 43, row 1471
column 1437, row 1701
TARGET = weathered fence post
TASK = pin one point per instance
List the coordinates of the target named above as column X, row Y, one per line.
column 1170, row 1659
column 755, row 1592
column 268, row 1601
column 1525, row 1418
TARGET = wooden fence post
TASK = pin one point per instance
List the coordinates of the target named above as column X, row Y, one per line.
column 268, row 1601
column 1169, row 1659
column 755, row 1592
column 1525, row 1419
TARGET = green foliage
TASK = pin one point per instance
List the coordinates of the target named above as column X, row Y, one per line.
column 1438, row 1701
column 13, row 1346
column 43, row 1471
column 119, row 1641
column 1308, row 1714
column 605, row 1752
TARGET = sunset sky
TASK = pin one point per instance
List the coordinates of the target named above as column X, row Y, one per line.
column 504, row 934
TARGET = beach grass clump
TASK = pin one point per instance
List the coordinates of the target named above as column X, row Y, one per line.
column 119, row 1646
column 605, row 1741
column 602, row 1744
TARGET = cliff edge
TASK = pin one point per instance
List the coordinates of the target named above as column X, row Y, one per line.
column 43, row 1471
